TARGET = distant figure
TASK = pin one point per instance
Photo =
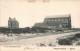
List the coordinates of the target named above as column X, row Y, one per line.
column 60, row 26
column 13, row 23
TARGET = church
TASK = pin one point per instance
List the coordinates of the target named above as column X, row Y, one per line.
column 56, row 22
column 13, row 23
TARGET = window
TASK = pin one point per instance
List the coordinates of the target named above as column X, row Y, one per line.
column 55, row 20
column 59, row 20
column 66, row 19
column 62, row 20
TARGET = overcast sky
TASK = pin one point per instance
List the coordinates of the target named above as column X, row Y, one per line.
column 30, row 13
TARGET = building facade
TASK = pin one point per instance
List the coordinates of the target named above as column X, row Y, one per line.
column 13, row 23
column 56, row 22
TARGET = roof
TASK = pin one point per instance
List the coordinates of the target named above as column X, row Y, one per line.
column 12, row 19
column 58, row 16
column 45, row 24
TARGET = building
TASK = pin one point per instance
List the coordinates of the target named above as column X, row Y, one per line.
column 56, row 22
column 13, row 23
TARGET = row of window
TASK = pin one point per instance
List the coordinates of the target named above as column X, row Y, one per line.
column 13, row 24
column 56, row 20
column 13, row 27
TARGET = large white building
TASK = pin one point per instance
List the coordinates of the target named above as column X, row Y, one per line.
column 56, row 22
column 13, row 23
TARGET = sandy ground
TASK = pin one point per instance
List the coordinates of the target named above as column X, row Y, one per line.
column 33, row 39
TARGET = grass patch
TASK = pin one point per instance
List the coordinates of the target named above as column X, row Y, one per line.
column 69, row 40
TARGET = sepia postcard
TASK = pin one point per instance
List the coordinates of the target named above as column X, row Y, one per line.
column 39, row 25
